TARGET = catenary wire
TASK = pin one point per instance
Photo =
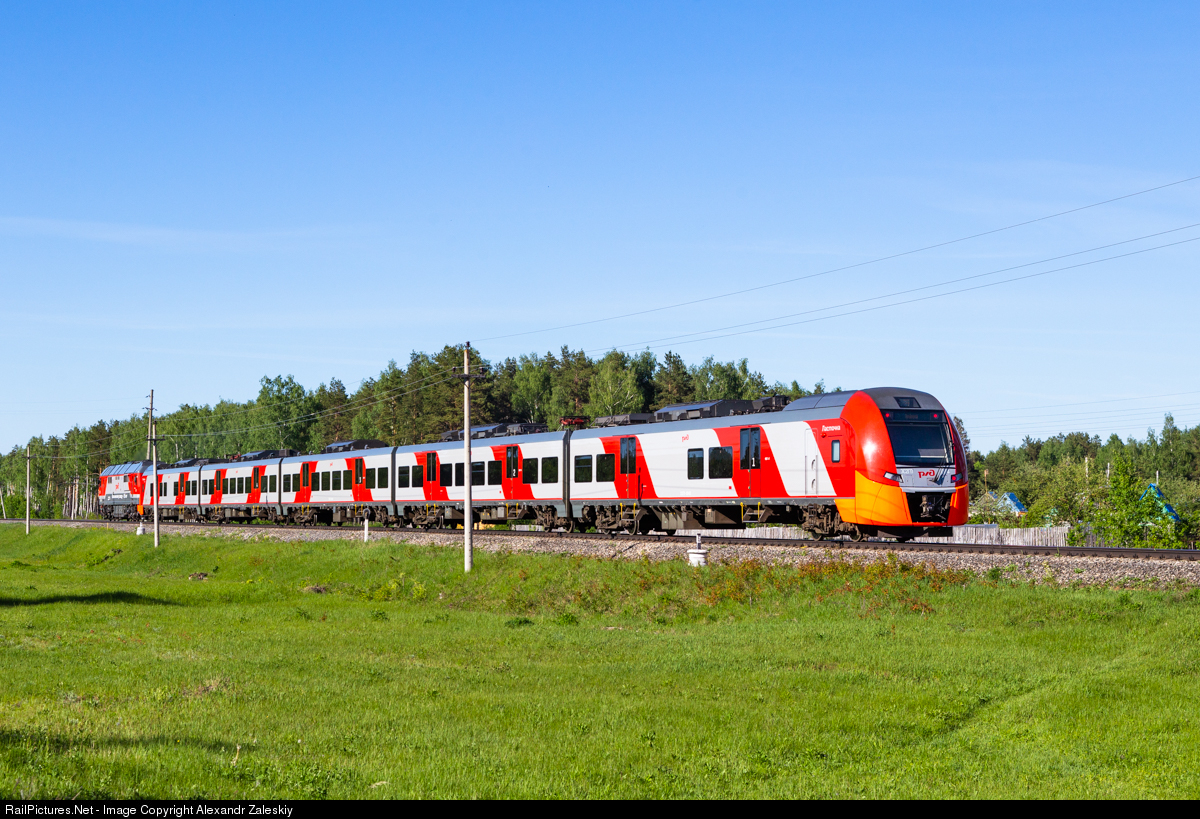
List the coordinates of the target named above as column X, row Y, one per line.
column 653, row 345
column 707, row 333
column 844, row 268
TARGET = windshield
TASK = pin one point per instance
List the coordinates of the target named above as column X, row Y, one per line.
column 920, row 444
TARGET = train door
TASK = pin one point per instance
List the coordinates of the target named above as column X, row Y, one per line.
column 630, row 486
column 749, row 462
column 512, row 467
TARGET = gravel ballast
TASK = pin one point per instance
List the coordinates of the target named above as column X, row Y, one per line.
column 1066, row 570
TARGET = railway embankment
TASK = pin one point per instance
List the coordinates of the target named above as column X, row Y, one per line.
column 1029, row 565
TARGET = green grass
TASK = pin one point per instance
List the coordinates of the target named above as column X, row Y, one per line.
column 550, row 676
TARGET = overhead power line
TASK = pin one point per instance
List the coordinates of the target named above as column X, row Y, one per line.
column 877, row 260
column 707, row 333
column 654, row 344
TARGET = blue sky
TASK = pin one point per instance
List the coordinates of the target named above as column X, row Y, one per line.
column 193, row 198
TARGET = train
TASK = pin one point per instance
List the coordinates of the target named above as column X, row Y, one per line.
column 881, row 462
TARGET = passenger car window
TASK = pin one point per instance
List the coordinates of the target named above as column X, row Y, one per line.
column 337, row 480
column 459, row 469
column 495, row 472
column 550, row 470
column 287, row 483
column 695, row 463
column 383, row 477
column 402, row 476
column 529, row 470
column 418, row 476
column 371, row 478
column 324, row 481
column 720, row 462
column 447, row 475
column 835, row 450
column 477, row 473
column 606, row 467
column 346, row 478
column 510, row 457
column 583, row 469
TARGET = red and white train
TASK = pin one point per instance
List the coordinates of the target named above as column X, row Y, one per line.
column 884, row 461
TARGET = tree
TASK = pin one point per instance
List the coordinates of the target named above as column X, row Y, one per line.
column 614, row 388
column 531, row 387
column 672, row 382
column 1129, row 516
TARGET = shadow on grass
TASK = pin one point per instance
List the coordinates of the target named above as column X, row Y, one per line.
column 99, row 597
column 47, row 742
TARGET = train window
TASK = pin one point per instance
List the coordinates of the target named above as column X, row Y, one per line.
column 606, row 467
column 835, row 451
column 695, row 464
column 358, row 470
column 529, row 470
column 418, row 476
column 550, row 470
column 495, row 472
column 583, row 469
column 304, row 475
column 720, row 462
column 511, row 456
column 346, row 478
column 477, row 473
column 174, row 488
column 324, row 481
column 430, row 468
column 273, row 483
column 402, row 476
column 237, row 488
column 287, row 483
column 383, row 476
column 370, row 478
column 224, row 485
column 459, row 469
column 337, row 480
column 628, row 456
column 447, row 475
column 254, row 480
column 751, row 448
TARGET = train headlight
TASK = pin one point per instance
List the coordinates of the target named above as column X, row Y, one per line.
column 892, row 476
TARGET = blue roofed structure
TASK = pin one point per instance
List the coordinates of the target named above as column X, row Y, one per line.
column 1153, row 491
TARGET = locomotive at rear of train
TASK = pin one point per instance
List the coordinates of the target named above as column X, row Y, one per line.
column 876, row 462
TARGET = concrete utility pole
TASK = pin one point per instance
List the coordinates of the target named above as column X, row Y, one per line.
column 150, row 425
column 152, row 453
column 468, row 511
column 28, row 492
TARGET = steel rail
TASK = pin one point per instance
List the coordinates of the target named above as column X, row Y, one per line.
column 884, row 545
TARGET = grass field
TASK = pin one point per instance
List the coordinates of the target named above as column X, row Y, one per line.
column 344, row 670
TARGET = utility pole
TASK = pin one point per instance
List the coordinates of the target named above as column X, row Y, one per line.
column 28, row 492
column 468, row 511
column 152, row 454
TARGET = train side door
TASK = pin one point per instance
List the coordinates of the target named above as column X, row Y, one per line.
column 629, row 475
column 512, row 466
column 749, row 462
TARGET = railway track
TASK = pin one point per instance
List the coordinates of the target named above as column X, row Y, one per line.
column 874, row 545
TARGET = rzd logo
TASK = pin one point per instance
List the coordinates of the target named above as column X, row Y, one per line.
column 926, row 473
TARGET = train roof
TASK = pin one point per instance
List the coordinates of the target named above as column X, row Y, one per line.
column 129, row 466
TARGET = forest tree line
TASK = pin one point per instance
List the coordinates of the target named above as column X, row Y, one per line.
column 409, row 404
column 1064, row 478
